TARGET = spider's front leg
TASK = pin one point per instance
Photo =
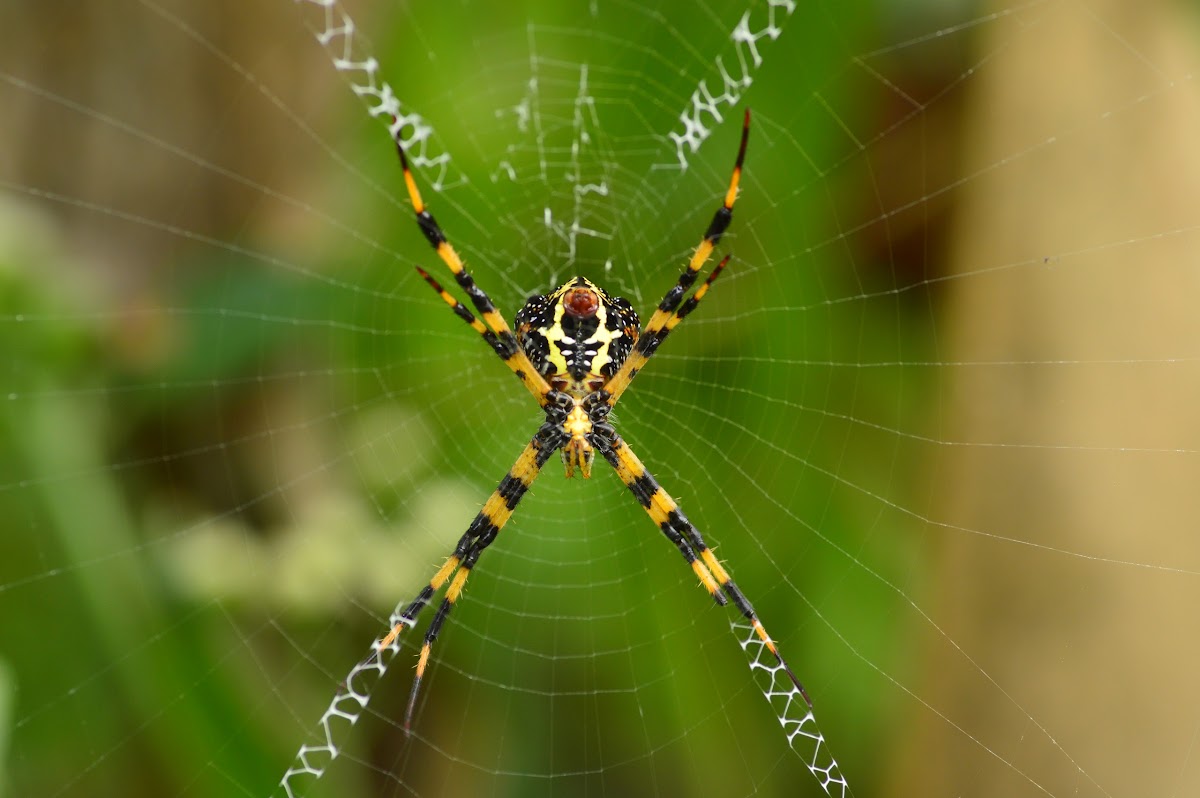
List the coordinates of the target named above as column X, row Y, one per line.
column 499, row 337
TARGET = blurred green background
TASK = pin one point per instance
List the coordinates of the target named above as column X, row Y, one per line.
column 237, row 428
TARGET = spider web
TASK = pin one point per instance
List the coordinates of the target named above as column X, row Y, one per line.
column 936, row 416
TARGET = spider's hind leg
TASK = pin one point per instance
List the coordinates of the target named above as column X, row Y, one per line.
column 492, row 517
column 648, row 493
column 663, row 510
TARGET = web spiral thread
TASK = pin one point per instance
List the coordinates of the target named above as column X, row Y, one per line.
column 794, row 714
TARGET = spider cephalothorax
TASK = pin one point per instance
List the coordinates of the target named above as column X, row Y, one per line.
column 578, row 336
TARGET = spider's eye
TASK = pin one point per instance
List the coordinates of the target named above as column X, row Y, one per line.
column 581, row 302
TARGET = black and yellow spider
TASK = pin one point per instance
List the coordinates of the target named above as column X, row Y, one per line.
column 576, row 350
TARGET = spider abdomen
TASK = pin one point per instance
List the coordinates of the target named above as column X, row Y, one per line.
column 578, row 336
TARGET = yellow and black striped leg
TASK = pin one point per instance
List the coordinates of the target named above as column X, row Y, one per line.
column 515, row 357
column 675, row 525
column 647, row 492
column 665, row 316
column 651, row 339
column 506, row 348
column 479, row 535
column 435, row 627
